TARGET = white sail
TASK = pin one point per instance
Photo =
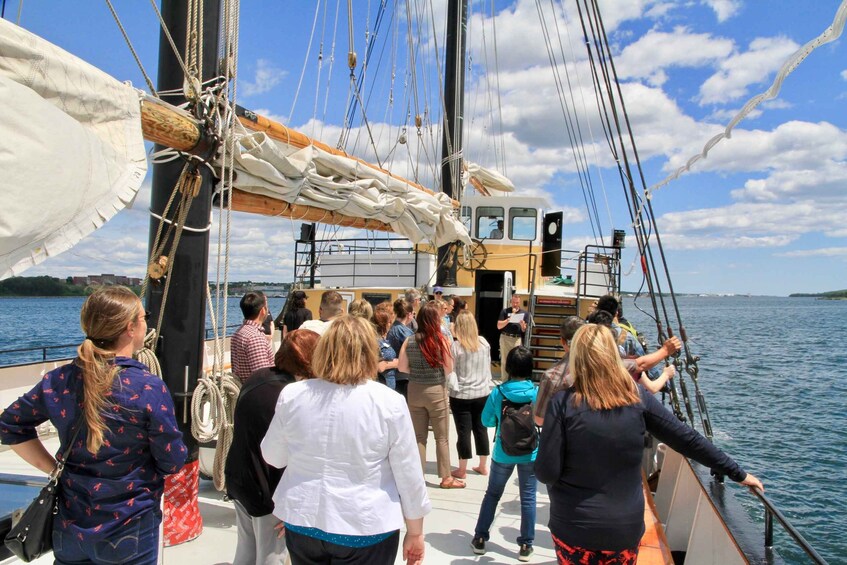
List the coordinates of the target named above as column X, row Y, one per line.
column 71, row 149
column 488, row 179
column 312, row 176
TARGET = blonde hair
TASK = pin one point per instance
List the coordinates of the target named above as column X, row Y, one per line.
column 104, row 317
column 465, row 331
column 600, row 379
column 347, row 354
column 362, row 309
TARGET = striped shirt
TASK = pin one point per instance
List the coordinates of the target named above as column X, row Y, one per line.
column 473, row 369
column 250, row 350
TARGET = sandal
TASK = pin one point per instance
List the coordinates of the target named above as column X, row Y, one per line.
column 452, row 483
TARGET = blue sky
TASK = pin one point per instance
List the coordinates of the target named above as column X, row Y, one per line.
column 764, row 214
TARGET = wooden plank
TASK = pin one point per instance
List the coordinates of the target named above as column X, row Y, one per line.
column 654, row 547
column 267, row 206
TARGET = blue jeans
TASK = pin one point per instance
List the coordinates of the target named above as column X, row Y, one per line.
column 497, row 479
column 134, row 544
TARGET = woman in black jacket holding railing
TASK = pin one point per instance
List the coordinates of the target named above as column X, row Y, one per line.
column 590, row 454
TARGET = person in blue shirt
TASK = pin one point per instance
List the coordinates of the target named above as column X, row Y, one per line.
column 518, row 389
column 397, row 335
column 128, row 439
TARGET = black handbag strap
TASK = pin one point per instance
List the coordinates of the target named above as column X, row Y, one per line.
column 60, row 463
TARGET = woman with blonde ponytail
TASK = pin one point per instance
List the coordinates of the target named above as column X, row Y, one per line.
column 128, row 437
column 590, row 454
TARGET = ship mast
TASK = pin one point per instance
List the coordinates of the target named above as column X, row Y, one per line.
column 451, row 147
column 181, row 338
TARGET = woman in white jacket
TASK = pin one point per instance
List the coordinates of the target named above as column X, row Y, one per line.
column 352, row 476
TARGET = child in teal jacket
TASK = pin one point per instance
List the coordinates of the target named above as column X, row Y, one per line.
column 521, row 390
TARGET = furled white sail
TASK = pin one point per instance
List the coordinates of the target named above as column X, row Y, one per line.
column 312, row 176
column 71, row 149
column 489, row 179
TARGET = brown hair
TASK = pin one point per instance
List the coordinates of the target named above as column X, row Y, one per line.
column 600, row 379
column 383, row 317
column 347, row 354
column 466, row 332
column 401, row 308
column 104, row 317
column 294, row 355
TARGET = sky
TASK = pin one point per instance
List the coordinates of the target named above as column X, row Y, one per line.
column 763, row 214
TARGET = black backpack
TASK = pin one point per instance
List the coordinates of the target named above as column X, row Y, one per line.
column 518, row 433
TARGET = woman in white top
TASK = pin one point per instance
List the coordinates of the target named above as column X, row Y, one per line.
column 472, row 363
column 352, row 476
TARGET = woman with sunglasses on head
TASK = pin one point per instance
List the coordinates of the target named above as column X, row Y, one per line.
column 127, row 439
column 425, row 357
column 590, row 454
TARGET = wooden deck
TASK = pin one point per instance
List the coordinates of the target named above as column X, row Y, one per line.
column 654, row 547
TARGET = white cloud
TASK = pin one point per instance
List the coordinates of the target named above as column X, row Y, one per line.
column 687, row 242
column 822, row 252
column 267, row 76
column 764, row 56
column 747, row 224
column 724, row 9
column 844, row 74
column 656, row 51
column 792, row 146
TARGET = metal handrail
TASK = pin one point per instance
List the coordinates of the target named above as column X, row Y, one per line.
column 45, row 348
column 42, row 348
column 770, row 512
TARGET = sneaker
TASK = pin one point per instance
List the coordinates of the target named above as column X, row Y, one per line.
column 525, row 552
column 478, row 545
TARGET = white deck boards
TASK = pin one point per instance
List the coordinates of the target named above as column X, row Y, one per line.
column 449, row 527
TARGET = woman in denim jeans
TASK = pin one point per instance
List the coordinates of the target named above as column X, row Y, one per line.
column 518, row 389
column 128, row 438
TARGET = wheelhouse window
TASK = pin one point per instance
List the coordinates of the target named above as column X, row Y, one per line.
column 523, row 223
column 466, row 217
column 489, row 222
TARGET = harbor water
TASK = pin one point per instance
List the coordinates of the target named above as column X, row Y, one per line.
column 773, row 371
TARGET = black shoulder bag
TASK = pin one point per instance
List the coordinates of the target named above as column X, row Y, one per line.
column 32, row 536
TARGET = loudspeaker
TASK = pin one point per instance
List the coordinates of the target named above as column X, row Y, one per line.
column 551, row 245
column 619, row 239
column 307, row 232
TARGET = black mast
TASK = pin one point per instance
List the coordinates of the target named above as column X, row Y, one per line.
column 182, row 335
column 451, row 144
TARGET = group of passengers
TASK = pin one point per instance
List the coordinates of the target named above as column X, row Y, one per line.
column 327, row 461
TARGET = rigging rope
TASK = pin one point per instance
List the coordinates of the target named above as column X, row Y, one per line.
column 131, row 49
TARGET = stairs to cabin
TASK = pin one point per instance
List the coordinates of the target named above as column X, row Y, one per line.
column 547, row 313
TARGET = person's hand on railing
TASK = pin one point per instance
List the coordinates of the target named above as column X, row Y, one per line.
column 753, row 482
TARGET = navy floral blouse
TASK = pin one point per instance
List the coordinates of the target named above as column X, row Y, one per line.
column 104, row 491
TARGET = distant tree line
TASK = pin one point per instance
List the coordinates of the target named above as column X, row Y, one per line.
column 831, row 294
column 44, row 286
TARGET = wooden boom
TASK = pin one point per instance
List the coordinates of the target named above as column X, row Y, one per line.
column 168, row 125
